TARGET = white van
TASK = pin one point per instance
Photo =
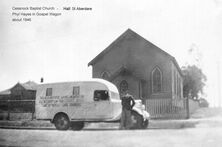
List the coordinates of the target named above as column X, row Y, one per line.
column 70, row 104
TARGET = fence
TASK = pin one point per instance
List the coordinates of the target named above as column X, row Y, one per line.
column 17, row 109
column 168, row 108
column 193, row 105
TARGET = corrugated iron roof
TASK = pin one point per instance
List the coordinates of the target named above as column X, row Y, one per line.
column 30, row 85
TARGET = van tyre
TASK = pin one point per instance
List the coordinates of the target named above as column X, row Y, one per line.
column 61, row 122
column 77, row 125
column 137, row 120
column 145, row 124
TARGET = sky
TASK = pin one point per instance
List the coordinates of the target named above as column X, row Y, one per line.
column 59, row 48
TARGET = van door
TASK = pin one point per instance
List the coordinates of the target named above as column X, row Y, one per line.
column 100, row 108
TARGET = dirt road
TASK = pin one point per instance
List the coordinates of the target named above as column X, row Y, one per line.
column 197, row 137
column 206, row 133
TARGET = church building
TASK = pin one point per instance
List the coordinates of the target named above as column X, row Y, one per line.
column 140, row 68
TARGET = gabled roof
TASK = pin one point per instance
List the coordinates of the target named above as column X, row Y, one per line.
column 130, row 32
column 30, row 85
column 106, row 50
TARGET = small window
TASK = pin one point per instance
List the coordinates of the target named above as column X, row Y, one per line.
column 49, row 92
column 75, row 91
column 101, row 95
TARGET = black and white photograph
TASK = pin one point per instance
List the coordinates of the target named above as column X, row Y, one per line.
column 111, row 73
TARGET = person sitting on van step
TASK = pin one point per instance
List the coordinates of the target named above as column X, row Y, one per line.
column 127, row 105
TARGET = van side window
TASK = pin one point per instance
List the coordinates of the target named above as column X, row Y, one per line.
column 49, row 92
column 101, row 95
column 75, row 91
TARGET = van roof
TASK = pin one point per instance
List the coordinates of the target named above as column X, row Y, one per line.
column 110, row 85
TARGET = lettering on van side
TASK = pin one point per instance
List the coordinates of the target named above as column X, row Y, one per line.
column 61, row 101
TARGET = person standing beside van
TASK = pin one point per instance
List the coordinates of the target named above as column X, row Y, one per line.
column 127, row 105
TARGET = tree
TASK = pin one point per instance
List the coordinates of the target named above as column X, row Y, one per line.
column 194, row 81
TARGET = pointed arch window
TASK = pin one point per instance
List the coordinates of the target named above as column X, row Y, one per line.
column 156, row 80
column 105, row 75
column 123, row 86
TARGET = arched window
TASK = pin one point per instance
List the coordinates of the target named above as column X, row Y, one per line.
column 156, row 80
column 105, row 75
column 123, row 86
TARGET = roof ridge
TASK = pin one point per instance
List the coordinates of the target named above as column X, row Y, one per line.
column 110, row 46
column 131, row 32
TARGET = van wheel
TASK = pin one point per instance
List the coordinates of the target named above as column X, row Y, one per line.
column 145, row 124
column 77, row 125
column 61, row 122
column 137, row 120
